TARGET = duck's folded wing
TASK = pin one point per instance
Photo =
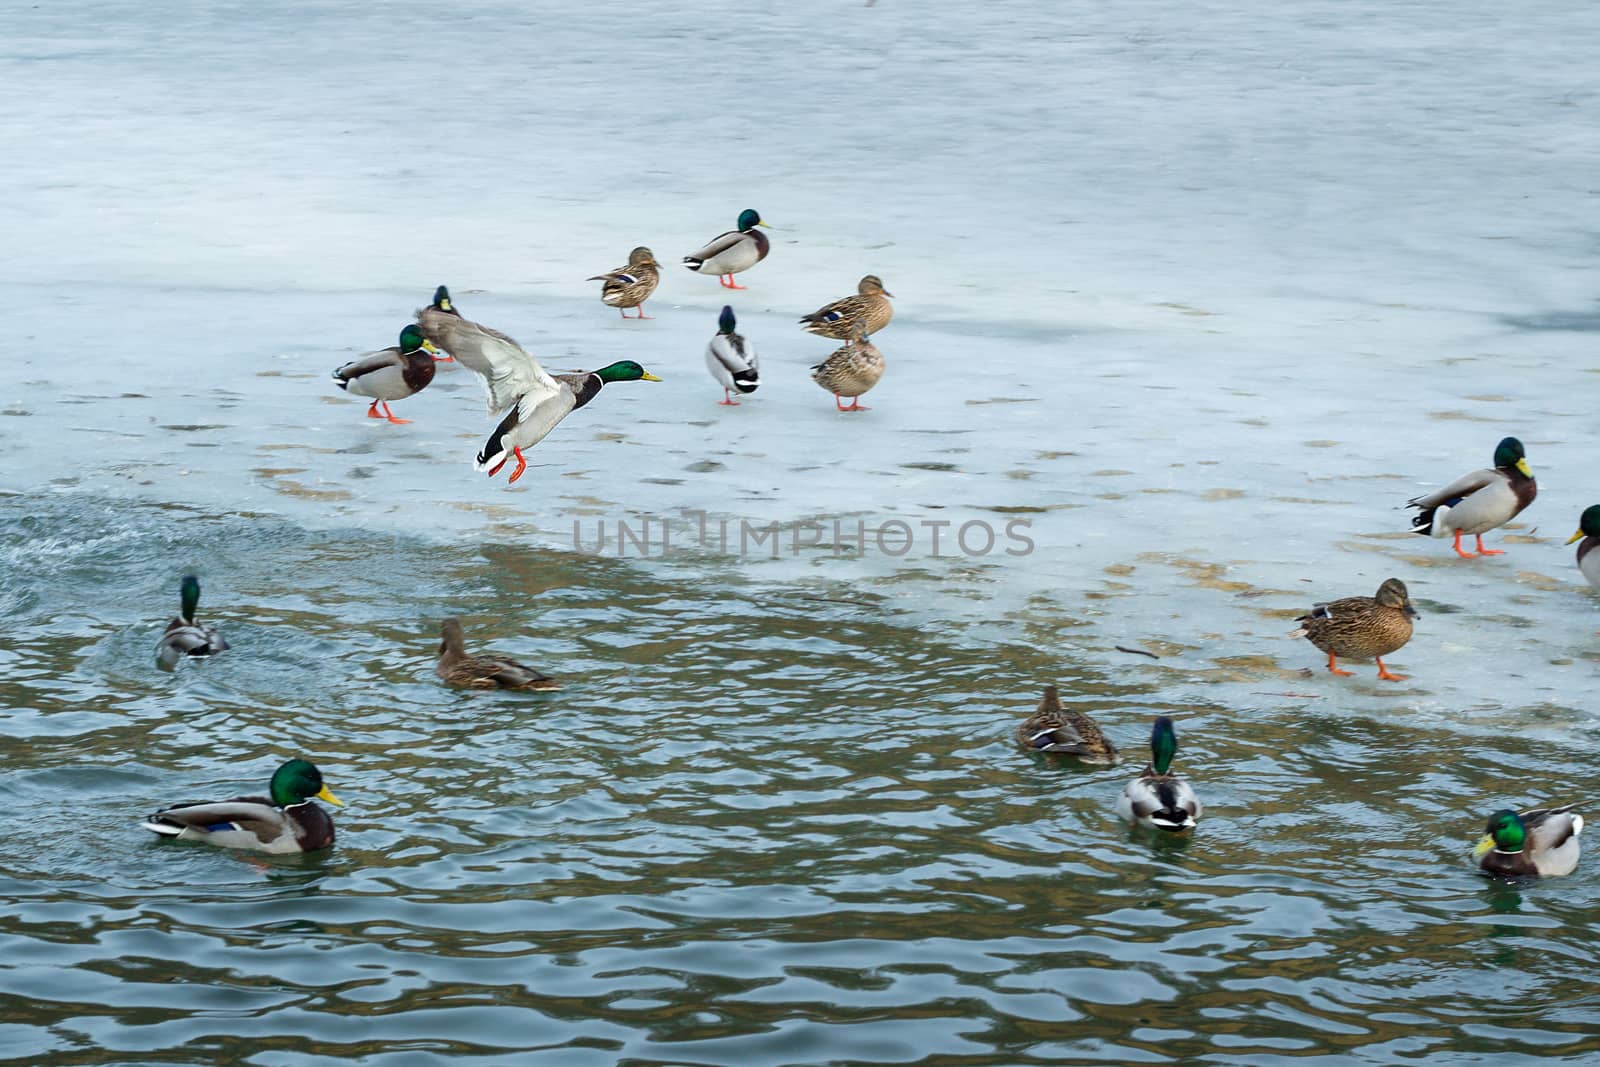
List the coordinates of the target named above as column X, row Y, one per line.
column 508, row 372
column 245, row 815
column 718, row 245
column 367, row 363
column 730, row 352
column 1463, row 486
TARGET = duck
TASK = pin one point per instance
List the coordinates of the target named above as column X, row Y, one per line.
column 284, row 821
column 1542, row 843
column 1589, row 534
column 392, row 373
column 867, row 311
column 184, row 636
column 850, row 371
column 483, row 672
column 1065, row 732
column 1358, row 627
column 731, row 359
column 630, row 286
column 733, row 252
column 1158, row 799
column 1478, row 502
column 513, row 380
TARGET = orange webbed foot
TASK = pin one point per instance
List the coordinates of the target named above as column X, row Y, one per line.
column 522, row 465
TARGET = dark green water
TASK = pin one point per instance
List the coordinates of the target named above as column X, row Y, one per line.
column 762, row 824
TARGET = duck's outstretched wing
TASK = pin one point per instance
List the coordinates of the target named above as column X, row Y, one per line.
column 509, row 373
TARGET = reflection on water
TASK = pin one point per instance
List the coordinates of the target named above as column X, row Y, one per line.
column 761, row 824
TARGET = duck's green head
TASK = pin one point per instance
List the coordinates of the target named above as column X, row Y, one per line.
column 1163, row 744
column 750, row 218
column 625, row 370
column 1393, row 594
column 1504, row 831
column 298, row 781
column 411, row 340
column 1588, row 524
column 189, row 595
column 726, row 322
column 1510, row 453
column 441, row 299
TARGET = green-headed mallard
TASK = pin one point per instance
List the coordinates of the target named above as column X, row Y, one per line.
column 731, row 359
column 286, row 821
column 1361, row 627
column 729, row 253
column 1064, row 731
column 1479, row 502
column 1157, row 798
column 185, row 636
column 1542, row 843
column 865, row 313
column 850, row 371
column 630, row 286
column 392, row 373
column 483, row 672
column 1589, row 533
column 514, row 379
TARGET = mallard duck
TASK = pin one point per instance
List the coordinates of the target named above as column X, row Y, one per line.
column 1589, row 533
column 850, row 371
column 184, row 636
column 514, row 379
column 1064, row 731
column 1542, row 843
column 443, row 304
column 731, row 359
column 1359, row 627
column 285, row 822
column 867, row 312
column 392, row 373
column 482, row 672
column 729, row 253
column 1479, row 502
column 1157, row 799
column 631, row 286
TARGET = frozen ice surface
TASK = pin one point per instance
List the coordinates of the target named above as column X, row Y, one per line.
column 1205, row 290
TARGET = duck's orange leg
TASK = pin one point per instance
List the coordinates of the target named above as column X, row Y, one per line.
column 446, row 358
column 522, row 465
column 731, row 284
column 1487, row 551
column 1333, row 666
column 390, row 415
column 641, row 314
column 1459, row 552
column 727, row 398
column 372, row 412
column 1386, row 675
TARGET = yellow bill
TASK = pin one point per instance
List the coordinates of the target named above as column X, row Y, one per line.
column 1484, row 845
column 1527, row 471
column 764, row 225
column 427, row 346
column 1575, row 537
column 326, row 794
column 648, row 377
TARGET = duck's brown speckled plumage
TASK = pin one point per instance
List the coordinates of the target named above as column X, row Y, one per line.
column 630, row 286
column 851, row 370
column 1361, row 627
column 1064, row 731
column 483, row 672
column 865, row 313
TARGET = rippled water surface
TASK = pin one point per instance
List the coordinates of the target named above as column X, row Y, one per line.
column 1195, row 295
